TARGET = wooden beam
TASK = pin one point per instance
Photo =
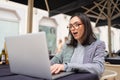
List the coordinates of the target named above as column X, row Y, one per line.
column 30, row 16
column 115, row 16
column 115, row 6
column 93, row 16
column 97, row 5
column 109, row 29
column 101, row 11
column 90, row 10
column 103, row 7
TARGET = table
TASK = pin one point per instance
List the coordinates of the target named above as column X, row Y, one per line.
column 113, row 60
column 5, row 74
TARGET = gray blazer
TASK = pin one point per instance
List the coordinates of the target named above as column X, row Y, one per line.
column 93, row 60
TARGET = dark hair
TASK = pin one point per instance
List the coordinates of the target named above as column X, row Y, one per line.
column 88, row 36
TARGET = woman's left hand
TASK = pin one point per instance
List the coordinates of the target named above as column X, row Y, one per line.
column 56, row 68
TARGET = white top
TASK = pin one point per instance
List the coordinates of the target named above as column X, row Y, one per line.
column 78, row 54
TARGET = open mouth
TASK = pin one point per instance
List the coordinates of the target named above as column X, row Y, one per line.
column 75, row 33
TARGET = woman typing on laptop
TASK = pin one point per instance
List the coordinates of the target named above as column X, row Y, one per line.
column 83, row 53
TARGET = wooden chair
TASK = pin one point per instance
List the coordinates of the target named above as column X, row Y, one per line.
column 109, row 75
column 114, row 67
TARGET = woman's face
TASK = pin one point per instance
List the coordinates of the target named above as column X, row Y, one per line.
column 77, row 28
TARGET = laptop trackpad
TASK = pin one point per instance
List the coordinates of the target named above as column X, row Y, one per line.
column 61, row 74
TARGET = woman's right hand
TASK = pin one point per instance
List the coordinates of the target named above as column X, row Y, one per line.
column 56, row 68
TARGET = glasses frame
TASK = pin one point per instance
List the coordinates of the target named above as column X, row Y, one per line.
column 75, row 25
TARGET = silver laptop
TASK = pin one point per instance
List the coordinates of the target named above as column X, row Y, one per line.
column 28, row 55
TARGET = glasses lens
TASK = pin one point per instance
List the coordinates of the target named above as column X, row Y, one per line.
column 75, row 25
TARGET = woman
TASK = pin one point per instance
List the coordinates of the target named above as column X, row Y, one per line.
column 83, row 53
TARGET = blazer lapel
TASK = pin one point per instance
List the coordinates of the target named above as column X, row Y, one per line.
column 87, row 54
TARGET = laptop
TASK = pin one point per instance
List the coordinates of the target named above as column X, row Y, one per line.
column 28, row 55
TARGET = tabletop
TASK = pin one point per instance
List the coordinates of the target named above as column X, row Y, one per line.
column 5, row 74
column 113, row 60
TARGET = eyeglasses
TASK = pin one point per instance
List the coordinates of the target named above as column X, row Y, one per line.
column 76, row 25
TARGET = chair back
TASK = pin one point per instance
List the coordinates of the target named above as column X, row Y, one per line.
column 109, row 75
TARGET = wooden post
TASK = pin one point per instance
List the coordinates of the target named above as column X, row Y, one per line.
column 30, row 16
column 109, row 29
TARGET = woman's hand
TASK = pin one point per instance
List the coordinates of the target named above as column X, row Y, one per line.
column 56, row 68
